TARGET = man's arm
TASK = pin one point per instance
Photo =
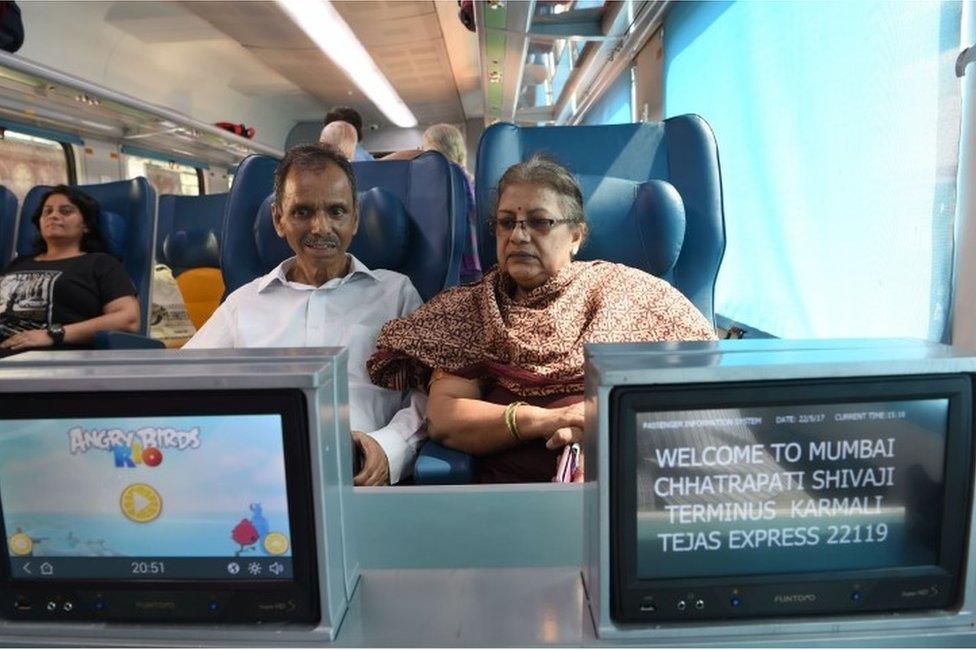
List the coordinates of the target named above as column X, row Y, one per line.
column 401, row 438
column 398, row 441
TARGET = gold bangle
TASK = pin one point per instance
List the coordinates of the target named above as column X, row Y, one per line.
column 510, row 419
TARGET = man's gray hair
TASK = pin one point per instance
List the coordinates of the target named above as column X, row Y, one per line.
column 313, row 157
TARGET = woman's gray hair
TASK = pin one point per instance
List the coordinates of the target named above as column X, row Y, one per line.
column 447, row 139
column 543, row 170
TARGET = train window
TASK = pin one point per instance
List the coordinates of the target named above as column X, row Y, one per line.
column 167, row 177
column 27, row 160
column 838, row 129
column 615, row 107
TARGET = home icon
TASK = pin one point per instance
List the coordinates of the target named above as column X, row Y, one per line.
column 47, row 569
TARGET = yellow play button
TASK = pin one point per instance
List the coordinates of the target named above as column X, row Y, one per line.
column 21, row 544
column 140, row 503
column 275, row 543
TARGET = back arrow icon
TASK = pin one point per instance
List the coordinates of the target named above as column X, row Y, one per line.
column 27, row 567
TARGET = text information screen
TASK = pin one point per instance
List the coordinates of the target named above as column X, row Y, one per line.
column 790, row 489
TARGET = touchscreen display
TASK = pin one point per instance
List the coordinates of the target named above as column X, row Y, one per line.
column 790, row 489
column 146, row 498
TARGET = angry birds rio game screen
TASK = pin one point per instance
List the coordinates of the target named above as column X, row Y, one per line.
column 174, row 497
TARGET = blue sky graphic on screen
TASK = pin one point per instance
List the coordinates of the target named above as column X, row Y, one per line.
column 187, row 486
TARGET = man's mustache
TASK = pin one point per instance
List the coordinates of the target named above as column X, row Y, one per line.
column 319, row 241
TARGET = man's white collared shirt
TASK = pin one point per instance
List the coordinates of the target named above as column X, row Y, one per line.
column 272, row 311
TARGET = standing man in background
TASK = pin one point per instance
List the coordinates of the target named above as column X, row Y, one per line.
column 340, row 135
column 352, row 116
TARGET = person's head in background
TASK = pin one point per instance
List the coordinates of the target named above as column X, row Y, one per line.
column 340, row 135
column 448, row 140
column 346, row 114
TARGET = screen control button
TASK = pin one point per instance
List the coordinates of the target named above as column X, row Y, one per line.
column 100, row 605
column 648, row 605
column 682, row 605
column 735, row 602
column 856, row 596
column 68, row 606
column 699, row 604
column 51, row 606
column 213, row 606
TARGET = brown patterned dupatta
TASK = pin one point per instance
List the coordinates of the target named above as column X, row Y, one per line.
column 532, row 346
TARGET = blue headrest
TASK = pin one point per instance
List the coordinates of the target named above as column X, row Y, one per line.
column 8, row 224
column 380, row 242
column 610, row 161
column 646, row 234
column 189, row 213
column 271, row 248
column 191, row 249
column 405, row 205
column 114, row 232
column 112, row 225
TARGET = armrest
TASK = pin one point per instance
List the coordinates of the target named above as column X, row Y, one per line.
column 732, row 329
column 438, row 465
column 112, row 340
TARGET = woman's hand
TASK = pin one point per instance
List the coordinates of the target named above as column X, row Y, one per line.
column 28, row 339
column 569, row 423
column 564, row 436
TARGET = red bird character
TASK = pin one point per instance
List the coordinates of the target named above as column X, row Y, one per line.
column 245, row 534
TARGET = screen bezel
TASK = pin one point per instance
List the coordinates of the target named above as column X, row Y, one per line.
column 289, row 404
column 626, row 401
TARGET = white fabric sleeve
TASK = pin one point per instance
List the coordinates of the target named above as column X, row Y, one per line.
column 217, row 332
column 402, row 436
column 410, row 300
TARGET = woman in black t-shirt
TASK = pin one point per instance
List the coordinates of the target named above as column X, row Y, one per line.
column 69, row 289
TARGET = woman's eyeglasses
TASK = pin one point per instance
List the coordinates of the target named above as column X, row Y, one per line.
column 538, row 225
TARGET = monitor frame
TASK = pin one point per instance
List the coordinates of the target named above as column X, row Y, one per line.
column 182, row 599
column 635, row 600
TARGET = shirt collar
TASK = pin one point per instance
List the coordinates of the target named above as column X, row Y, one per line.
column 280, row 273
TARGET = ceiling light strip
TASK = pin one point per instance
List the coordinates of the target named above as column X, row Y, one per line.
column 322, row 23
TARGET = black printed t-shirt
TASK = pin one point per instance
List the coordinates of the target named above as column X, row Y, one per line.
column 59, row 291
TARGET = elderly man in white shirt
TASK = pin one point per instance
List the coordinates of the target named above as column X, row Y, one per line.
column 324, row 296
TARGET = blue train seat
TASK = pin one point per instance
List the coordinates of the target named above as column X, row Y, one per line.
column 128, row 225
column 412, row 220
column 610, row 162
column 188, row 231
column 188, row 241
column 653, row 200
column 8, row 225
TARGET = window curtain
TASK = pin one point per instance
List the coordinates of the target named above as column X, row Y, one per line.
column 838, row 131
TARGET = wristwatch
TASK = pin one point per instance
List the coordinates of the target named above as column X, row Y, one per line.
column 56, row 332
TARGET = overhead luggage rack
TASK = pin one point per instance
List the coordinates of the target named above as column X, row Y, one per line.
column 37, row 96
column 548, row 62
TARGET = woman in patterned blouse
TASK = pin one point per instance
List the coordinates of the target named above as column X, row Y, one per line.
column 502, row 358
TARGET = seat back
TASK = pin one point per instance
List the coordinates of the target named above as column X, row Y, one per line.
column 188, row 231
column 411, row 220
column 8, row 225
column 128, row 225
column 202, row 290
column 652, row 194
column 188, row 242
